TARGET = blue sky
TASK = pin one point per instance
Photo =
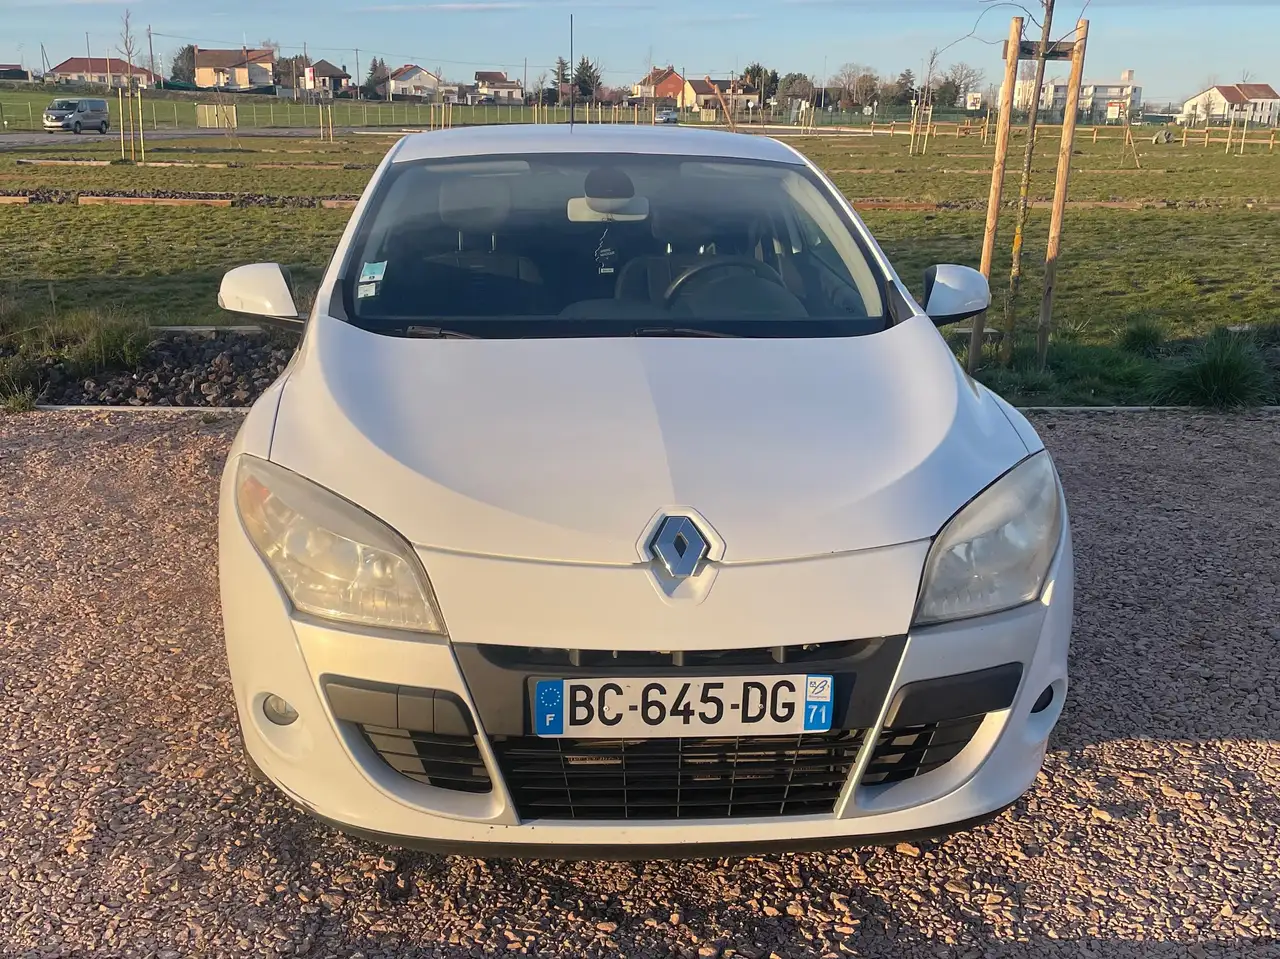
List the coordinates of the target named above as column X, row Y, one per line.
column 1174, row 45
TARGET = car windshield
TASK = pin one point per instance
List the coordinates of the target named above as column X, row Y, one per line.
column 64, row 104
column 609, row 245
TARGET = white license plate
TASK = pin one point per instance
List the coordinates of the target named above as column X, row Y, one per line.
column 682, row 706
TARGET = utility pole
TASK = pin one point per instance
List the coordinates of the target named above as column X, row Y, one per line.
column 151, row 50
column 1024, row 191
column 358, row 80
column 524, row 84
column 571, row 67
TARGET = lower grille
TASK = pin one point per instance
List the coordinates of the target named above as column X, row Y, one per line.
column 904, row 752
column 448, row 762
column 676, row 778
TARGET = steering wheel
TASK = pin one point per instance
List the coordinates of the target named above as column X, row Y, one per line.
column 719, row 263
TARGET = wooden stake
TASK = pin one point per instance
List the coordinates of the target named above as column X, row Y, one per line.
column 120, row 103
column 1231, row 129
column 1095, row 134
column 1184, row 136
column 142, row 128
column 1244, row 132
column 1003, row 124
column 1060, row 192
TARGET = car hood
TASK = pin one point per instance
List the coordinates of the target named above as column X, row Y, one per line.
column 566, row 449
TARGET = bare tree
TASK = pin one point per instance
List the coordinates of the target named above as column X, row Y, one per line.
column 1246, row 76
column 965, row 77
column 128, row 43
column 846, row 78
column 931, row 77
column 541, row 81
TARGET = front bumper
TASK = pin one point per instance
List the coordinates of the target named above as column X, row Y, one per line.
column 330, row 766
column 57, row 124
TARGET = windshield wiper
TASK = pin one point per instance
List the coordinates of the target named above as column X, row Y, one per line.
column 677, row 331
column 432, row 332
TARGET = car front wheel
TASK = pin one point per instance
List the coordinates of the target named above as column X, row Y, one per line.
column 103, row 128
column 76, row 127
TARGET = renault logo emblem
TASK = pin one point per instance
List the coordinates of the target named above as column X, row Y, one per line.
column 678, row 546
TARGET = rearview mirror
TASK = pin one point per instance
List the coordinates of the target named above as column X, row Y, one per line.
column 954, row 293
column 260, row 290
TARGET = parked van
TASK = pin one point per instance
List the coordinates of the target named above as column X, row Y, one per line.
column 83, row 113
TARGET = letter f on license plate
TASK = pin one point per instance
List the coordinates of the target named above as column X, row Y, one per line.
column 682, row 707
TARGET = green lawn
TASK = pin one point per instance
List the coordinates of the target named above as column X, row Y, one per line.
column 1207, row 261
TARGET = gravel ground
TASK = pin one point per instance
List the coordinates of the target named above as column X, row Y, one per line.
column 128, row 826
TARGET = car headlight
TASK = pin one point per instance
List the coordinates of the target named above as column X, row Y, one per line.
column 995, row 553
column 331, row 557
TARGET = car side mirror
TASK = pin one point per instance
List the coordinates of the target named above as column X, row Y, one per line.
column 260, row 290
column 953, row 293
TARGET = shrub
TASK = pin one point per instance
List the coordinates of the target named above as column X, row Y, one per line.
column 1142, row 336
column 1226, row 372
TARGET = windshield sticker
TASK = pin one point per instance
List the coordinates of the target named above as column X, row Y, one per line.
column 372, row 272
column 366, row 290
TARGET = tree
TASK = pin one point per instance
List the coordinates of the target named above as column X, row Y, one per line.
column 900, row 92
column 1246, row 76
column 540, row 82
column 561, row 73
column 930, row 78
column 865, row 88
column 128, row 43
column 378, row 73
column 795, row 86
column 183, row 64
column 289, row 68
column 965, row 77
column 946, row 93
column 846, row 78
column 586, row 77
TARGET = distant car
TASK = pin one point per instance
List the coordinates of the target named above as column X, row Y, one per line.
column 668, row 116
column 485, row 102
column 621, row 501
column 82, row 113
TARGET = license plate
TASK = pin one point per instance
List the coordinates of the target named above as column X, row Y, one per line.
column 681, row 707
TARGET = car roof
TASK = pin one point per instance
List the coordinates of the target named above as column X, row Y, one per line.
column 517, row 138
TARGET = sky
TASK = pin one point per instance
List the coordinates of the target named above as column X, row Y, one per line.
column 1174, row 46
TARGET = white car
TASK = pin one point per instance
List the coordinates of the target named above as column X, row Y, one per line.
column 620, row 501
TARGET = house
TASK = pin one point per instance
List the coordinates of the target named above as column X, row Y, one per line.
column 412, row 80
column 702, row 95
column 14, row 71
column 662, row 83
column 494, row 83
column 1110, row 100
column 240, row 69
column 1257, row 102
column 458, row 93
column 112, row 71
column 324, row 77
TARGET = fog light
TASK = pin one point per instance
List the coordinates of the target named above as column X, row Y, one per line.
column 1043, row 702
column 278, row 710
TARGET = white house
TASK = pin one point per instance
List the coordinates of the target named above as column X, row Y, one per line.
column 1257, row 102
column 412, row 80
column 494, row 83
column 1098, row 100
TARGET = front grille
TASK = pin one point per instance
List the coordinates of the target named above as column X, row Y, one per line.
column 677, row 778
column 904, row 752
column 448, row 762
column 539, row 658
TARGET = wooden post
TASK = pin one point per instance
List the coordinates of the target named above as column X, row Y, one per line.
column 1003, row 124
column 142, row 128
column 1184, row 136
column 1272, row 148
column 1095, row 134
column 1060, row 191
column 120, row 118
column 1244, row 132
column 1206, row 134
column 1231, row 129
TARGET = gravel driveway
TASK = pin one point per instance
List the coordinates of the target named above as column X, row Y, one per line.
column 128, row 828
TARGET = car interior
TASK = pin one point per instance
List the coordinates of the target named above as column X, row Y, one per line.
column 603, row 238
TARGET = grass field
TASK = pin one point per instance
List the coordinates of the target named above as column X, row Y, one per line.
column 1137, row 289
